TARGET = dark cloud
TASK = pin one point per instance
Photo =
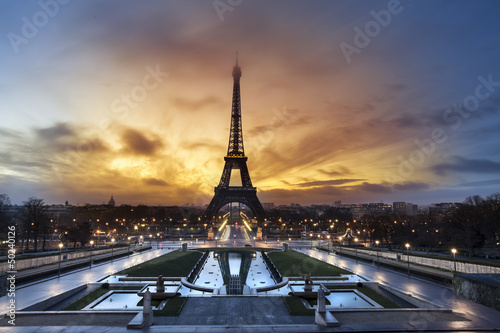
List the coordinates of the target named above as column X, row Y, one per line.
column 328, row 182
column 411, row 186
column 194, row 105
column 204, row 144
column 139, row 144
column 55, row 132
column 480, row 183
column 465, row 165
column 374, row 188
column 341, row 171
column 155, row 182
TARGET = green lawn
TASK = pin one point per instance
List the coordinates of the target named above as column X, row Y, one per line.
column 296, row 307
column 292, row 263
column 173, row 307
column 173, row 264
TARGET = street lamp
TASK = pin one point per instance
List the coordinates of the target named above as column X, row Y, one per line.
column 128, row 246
column 112, row 242
column 408, row 257
column 356, row 246
column 253, row 241
column 454, row 251
column 215, row 241
column 328, row 237
column 378, row 263
column 60, row 249
column 340, row 243
column 91, row 245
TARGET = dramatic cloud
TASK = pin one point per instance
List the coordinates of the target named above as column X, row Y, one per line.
column 138, row 143
column 134, row 98
column 465, row 165
column 328, row 182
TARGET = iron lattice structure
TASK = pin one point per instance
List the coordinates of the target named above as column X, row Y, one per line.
column 235, row 159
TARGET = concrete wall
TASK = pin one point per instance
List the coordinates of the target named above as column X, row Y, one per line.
column 418, row 302
column 480, row 288
column 437, row 263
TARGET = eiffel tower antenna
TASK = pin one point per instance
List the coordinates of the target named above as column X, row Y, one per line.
column 235, row 159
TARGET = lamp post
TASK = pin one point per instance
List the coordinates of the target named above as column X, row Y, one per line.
column 454, row 251
column 356, row 246
column 91, row 245
column 128, row 247
column 328, row 237
column 253, row 241
column 60, row 249
column 408, row 257
column 378, row 263
column 112, row 242
column 180, row 243
column 340, row 245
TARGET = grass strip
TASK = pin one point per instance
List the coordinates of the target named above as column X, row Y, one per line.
column 296, row 307
column 292, row 263
column 173, row 307
column 173, row 264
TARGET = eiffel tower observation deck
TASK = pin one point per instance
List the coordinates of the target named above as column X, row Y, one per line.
column 246, row 193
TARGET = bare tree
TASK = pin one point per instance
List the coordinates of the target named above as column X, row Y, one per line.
column 4, row 218
column 36, row 218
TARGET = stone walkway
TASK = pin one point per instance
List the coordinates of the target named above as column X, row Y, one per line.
column 228, row 311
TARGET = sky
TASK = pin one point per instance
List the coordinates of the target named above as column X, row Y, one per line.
column 358, row 101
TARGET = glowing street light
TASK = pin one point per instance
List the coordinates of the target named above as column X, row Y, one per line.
column 60, row 249
column 378, row 263
column 356, row 246
column 112, row 242
column 408, row 257
column 91, row 245
column 454, row 251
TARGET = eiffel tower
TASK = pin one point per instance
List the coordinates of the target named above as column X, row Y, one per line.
column 224, row 193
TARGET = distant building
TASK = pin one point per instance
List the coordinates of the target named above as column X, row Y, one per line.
column 337, row 204
column 441, row 208
column 411, row 209
column 111, row 201
column 404, row 208
column 369, row 209
column 268, row 205
column 399, row 207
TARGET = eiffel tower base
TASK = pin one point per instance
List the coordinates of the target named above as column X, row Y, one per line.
column 246, row 196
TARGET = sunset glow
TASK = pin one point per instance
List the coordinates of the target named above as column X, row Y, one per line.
column 133, row 98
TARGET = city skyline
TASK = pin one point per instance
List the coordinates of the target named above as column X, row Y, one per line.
column 350, row 101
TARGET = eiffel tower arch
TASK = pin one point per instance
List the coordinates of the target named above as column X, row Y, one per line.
column 235, row 159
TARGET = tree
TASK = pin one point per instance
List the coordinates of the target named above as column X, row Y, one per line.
column 467, row 220
column 4, row 218
column 35, row 219
column 79, row 232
